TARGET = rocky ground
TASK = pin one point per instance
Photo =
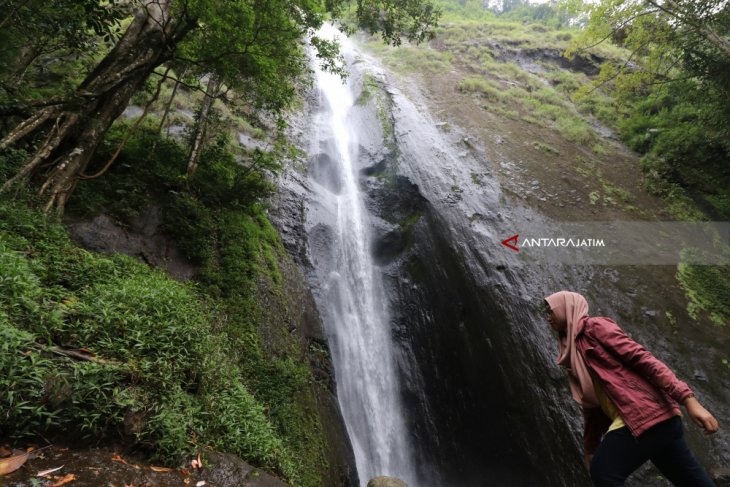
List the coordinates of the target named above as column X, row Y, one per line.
column 108, row 468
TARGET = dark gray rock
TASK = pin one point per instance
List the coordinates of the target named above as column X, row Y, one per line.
column 721, row 476
column 144, row 240
column 227, row 470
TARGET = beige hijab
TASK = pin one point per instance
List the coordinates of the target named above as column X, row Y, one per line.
column 570, row 307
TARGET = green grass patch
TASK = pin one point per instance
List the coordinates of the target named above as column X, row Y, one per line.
column 482, row 87
column 707, row 289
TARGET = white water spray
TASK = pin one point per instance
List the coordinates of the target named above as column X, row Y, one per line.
column 356, row 308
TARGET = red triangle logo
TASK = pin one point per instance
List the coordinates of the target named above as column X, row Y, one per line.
column 513, row 244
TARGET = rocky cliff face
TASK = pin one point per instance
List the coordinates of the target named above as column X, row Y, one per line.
column 485, row 401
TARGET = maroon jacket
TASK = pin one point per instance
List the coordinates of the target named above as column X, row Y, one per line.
column 643, row 389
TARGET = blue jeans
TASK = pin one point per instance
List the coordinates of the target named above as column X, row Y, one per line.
column 620, row 454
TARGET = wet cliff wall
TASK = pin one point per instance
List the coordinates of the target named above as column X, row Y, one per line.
column 484, row 398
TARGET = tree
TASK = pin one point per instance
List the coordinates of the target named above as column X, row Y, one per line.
column 32, row 28
column 201, row 125
column 252, row 45
column 667, row 34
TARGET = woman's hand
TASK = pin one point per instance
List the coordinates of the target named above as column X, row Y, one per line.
column 701, row 416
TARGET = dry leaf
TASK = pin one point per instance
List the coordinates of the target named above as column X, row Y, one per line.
column 63, row 481
column 49, row 471
column 4, row 452
column 117, row 458
column 197, row 463
column 186, row 481
column 11, row 464
column 160, row 469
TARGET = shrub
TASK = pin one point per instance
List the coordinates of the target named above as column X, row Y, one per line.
column 159, row 352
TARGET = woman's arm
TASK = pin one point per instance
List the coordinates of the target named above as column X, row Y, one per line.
column 641, row 360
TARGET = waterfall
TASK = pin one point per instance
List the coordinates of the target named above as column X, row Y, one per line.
column 352, row 297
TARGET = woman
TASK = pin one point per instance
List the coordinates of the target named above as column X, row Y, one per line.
column 630, row 399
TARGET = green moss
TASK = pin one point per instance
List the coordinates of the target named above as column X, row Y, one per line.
column 707, row 289
column 369, row 88
column 613, row 190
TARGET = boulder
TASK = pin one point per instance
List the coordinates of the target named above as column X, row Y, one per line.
column 386, row 482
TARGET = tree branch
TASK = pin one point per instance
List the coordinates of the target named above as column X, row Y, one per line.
column 129, row 133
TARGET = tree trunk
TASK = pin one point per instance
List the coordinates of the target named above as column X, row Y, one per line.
column 196, row 147
column 76, row 129
column 168, row 105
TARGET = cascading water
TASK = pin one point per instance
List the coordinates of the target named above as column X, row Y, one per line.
column 352, row 298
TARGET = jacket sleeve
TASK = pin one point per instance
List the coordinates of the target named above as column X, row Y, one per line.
column 639, row 359
column 595, row 424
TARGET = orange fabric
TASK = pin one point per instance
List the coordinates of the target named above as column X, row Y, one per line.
column 569, row 309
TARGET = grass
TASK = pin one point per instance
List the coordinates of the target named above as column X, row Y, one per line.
column 707, row 289
column 189, row 364
column 483, row 87
column 410, row 58
column 159, row 355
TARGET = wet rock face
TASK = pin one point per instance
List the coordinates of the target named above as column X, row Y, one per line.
column 326, row 172
column 475, row 397
column 143, row 240
column 481, row 405
column 588, row 63
column 399, row 204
